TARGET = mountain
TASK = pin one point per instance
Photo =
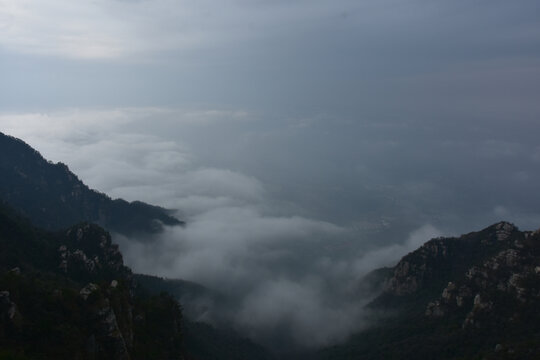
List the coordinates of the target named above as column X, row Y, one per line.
column 52, row 197
column 195, row 298
column 471, row 297
column 65, row 292
column 203, row 341
column 68, row 295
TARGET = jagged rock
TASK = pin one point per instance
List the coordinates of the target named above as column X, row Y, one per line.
column 108, row 336
column 84, row 257
column 437, row 258
column 55, row 309
column 80, row 233
column 112, row 333
column 511, row 257
column 403, row 282
column 412, row 271
column 76, row 259
column 480, row 307
column 479, row 294
column 10, row 318
column 15, row 271
column 8, row 309
column 435, row 309
column 449, row 291
column 511, row 273
column 464, row 293
column 492, row 271
column 504, row 230
column 514, row 283
column 450, row 295
column 88, row 290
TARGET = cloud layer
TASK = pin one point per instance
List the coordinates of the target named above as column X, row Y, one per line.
column 283, row 273
column 304, row 141
column 288, row 246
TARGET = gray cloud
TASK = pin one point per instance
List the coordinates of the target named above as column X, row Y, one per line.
column 369, row 59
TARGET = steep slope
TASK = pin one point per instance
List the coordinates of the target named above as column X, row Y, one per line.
column 470, row 297
column 195, row 298
column 203, row 341
column 75, row 282
column 52, row 197
column 68, row 295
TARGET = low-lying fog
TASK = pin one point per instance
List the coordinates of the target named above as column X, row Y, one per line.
column 281, row 227
column 304, row 142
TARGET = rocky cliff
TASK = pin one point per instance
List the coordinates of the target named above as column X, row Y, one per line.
column 444, row 259
column 68, row 295
column 500, row 290
column 468, row 297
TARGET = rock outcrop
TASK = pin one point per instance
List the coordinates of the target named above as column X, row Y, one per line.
column 470, row 297
column 443, row 259
column 106, row 338
column 8, row 309
column 81, row 256
column 68, row 295
column 498, row 289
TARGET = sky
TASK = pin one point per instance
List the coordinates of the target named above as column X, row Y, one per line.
column 305, row 142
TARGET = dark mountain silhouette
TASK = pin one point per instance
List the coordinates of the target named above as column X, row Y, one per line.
column 68, row 295
column 52, row 197
column 203, row 341
column 472, row 297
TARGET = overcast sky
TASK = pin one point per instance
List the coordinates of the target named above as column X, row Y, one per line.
column 366, row 125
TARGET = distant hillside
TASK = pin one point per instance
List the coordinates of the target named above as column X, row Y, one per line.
column 53, row 197
column 472, row 297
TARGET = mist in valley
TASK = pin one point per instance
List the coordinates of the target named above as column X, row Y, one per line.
column 304, row 144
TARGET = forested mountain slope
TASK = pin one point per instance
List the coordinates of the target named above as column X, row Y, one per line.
column 52, row 197
column 68, row 295
column 471, row 297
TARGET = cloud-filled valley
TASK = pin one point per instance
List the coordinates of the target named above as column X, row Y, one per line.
column 305, row 143
column 283, row 271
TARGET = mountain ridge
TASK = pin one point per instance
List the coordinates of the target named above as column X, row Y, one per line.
column 125, row 315
column 53, row 197
column 467, row 297
column 68, row 294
